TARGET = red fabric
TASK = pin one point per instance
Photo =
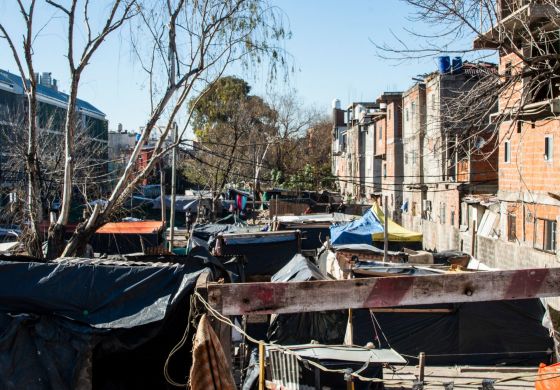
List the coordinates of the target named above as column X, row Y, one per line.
column 548, row 377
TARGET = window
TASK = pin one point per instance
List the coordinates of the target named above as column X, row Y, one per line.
column 507, row 70
column 507, row 152
column 385, row 170
column 413, row 209
column 380, row 132
column 388, row 113
column 442, row 213
column 549, row 238
column 511, row 226
column 406, row 114
column 452, row 221
column 406, row 158
column 413, row 110
column 544, row 235
column 548, row 144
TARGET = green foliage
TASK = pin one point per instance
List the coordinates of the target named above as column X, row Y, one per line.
column 218, row 102
column 311, row 177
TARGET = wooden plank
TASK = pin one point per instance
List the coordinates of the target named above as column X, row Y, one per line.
column 295, row 297
column 407, row 310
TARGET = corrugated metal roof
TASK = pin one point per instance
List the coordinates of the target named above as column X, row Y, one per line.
column 13, row 79
column 142, row 227
column 344, row 353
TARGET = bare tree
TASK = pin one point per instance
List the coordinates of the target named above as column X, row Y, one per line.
column 24, row 61
column 194, row 43
column 119, row 13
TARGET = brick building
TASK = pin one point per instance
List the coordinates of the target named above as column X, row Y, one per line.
column 445, row 159
column 388, row 150
column 529, row 151
column 353, row 151
column 414, row 128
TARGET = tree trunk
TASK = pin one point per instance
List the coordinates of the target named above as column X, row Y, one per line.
column 55, row 240
column 35, row 211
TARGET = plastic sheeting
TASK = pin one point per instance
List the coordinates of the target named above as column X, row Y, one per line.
column 289, row 329
column 79, row 324
column 396, row 232
column 357, row 232
column 479, row 333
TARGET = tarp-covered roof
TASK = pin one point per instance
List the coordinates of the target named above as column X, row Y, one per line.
column 370, row 228
column 396, row 231
column 357, row 232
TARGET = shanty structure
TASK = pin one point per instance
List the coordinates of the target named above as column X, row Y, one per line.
column 127, row 237
column 370, row 230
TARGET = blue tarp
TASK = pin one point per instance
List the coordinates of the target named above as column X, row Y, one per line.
column 359, row 231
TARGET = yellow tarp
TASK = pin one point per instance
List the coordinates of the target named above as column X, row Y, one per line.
column 396, row 231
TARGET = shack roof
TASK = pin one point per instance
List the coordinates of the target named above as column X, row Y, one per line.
column 141, row 227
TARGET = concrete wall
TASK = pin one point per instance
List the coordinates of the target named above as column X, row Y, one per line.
column 495, row 253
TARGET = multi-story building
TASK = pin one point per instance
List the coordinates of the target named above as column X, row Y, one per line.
column 51, row 113
column 120, row 146
column 413, row 128
column 388, row 150
column 353, row 161
column 529, row 130
column 445, row 158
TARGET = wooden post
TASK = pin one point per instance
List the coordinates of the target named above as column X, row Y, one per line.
column 385, row 231
column 421, row 366
column 163, row 203
column 173, row 186
column 261, row 366
column 222, row 330
column 350, row 328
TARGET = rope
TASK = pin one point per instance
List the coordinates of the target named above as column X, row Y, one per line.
column 177, row 347
column 356, row 374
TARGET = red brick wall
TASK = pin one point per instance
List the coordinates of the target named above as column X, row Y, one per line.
column 528, row 218
column 527, row 170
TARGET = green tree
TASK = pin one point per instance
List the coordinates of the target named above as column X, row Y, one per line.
column 233, row 130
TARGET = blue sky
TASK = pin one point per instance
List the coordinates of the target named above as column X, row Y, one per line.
column 331, row 48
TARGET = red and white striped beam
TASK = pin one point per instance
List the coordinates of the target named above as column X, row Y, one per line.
column 295, row 297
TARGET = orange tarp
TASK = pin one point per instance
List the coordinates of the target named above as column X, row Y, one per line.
column 142, row 227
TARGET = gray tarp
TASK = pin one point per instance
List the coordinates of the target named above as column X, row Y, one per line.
column 101, row 324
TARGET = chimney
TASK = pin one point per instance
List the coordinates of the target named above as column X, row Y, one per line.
column 46, row 79
column 338, row 113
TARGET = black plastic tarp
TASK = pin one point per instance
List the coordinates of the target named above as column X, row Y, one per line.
column 93, row 324
column 300, row 328
column 479, row 333
column 119, row 243
column 263, row 258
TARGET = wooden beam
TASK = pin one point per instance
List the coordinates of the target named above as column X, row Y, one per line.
column 296, row 297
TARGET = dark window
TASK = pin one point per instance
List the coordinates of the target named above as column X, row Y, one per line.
column 548, row 145
column 549, row 238
column 507, row 70
column 507, row 152
column 511, row 226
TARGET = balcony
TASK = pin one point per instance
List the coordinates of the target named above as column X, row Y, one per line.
column 527, row 15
